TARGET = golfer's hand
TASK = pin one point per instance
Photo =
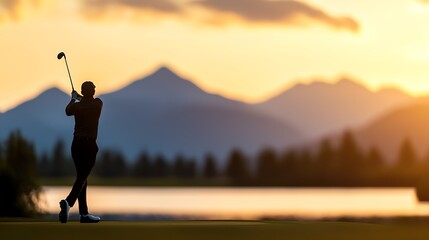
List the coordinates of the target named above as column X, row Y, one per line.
column 76, row 96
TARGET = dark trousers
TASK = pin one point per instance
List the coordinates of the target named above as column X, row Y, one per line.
column 84, row 151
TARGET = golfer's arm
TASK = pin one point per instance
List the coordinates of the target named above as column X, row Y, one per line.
column 100, row 103
column 70, row 108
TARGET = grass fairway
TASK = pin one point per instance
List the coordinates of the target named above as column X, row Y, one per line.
column 206, row 230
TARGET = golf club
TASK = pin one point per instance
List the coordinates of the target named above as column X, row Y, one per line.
column 61, row 55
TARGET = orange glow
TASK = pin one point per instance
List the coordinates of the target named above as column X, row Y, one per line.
column 249, row 62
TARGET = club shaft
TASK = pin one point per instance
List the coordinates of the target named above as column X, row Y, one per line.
column 68, row 70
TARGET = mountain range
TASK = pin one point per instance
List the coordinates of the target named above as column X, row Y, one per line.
column 164, row 113
column 320, row 108
column 160, row 114
column 389, row 131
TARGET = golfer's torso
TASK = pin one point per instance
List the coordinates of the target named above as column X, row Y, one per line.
column 87, row 115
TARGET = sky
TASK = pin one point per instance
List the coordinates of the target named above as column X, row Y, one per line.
column 243, row 49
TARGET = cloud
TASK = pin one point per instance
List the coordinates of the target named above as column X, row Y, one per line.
column 16, row 10
column 9, row 9
column 275, row 12
column 99, row 7
column 278, row 12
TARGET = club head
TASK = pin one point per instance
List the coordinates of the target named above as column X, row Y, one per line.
column 61, row 55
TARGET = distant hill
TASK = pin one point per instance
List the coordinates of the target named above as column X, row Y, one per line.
column 161, row 113
column 319, row 108
column 167, row 114
column 389, row 131
column 41, row 119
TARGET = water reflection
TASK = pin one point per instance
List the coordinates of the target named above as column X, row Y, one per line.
column 247, row 203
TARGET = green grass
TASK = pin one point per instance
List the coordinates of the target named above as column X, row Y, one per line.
column 207, row 230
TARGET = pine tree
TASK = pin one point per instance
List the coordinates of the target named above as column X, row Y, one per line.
column 59, row 160
column 267, row 167
column 160, row 166
column 237, row 170
column 190, row 169
column 407, row 164
column 210, row 168
column 407, row 155
column 288, row 166
column 111, row 164
column 325, row 163
column 305, row 168
column 350, row 159
column 143, row 167
column 374, row 167
column 44, row 166
column 375, row 159
column 179, row 166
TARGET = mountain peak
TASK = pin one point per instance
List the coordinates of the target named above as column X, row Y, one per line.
column 163, row 85
column 164, row 72
column 51, row 92
column 344, row 80
column 348, row 82
column 351, row 85
column 322, row 86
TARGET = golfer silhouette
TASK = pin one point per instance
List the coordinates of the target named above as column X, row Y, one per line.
column 86, row 111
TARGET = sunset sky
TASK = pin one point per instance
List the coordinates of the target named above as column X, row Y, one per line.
column 242, row 49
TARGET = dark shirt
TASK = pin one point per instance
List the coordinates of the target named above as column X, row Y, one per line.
column 86, row 114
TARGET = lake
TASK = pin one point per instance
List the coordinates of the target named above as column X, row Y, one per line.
column 245, row 203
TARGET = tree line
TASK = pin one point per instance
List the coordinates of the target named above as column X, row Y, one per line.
column 345, row 164
column 113, row 164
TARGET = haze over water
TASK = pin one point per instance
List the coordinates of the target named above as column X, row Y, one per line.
column 247, row 203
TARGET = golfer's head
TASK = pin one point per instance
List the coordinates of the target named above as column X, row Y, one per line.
column 88, row 89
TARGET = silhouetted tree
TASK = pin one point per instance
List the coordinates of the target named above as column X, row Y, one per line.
column 407, row 169
column 209, row 168
column 143, row 167
column 425, row 165
column 288, row 165
column 20, row 157
column 44, row 166
column 350, row 157
column 376, row 173
column 111, row 164
column 267, row 170
column 422, row 186
column 179, row 166
column 13, row 202
column 375, row 158
column 61, row 164
column 326, row 163
column 20, row 191
column 407, row 155
column 160, row 166
column 305, row 168
column 237, row 169
column 190, row 169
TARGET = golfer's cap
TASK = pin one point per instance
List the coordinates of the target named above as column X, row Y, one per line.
column 88, row 85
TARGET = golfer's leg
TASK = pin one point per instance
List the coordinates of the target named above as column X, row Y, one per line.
column 87, row 165
column 83, row 207
column 82, row 170
column 78, row 185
